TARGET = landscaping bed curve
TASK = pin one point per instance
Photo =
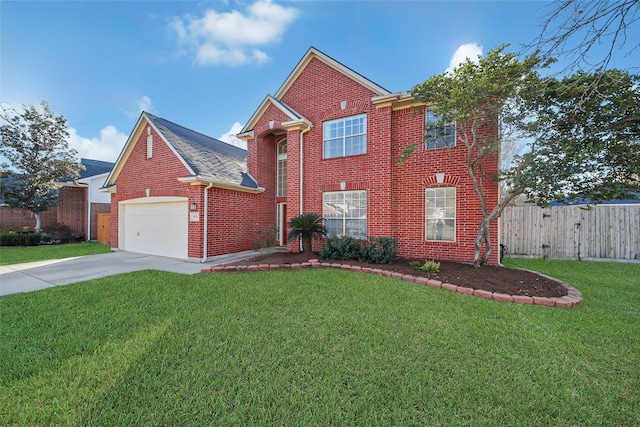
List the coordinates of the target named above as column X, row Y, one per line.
column 494, row 282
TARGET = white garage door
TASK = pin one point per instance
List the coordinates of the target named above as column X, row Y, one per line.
column 156, row 229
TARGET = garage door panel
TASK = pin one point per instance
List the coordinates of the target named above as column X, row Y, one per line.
column 157, row 229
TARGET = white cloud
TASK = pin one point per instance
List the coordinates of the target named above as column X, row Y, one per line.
column 144, row 104
column 230, row 136
column 469, row 50
column 135, row 107
column 232, row 38
column 106, row 148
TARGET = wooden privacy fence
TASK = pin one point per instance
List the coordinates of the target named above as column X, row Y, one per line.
column 602, row 232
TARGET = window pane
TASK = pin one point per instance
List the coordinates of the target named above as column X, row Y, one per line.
column 333, row 148
column 345, row 213
column 438, row 134
column 440, row 213
column 334, row 227
column 356, row 228
column 345, row 137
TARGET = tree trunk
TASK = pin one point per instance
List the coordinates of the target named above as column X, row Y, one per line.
column 38, row 222
column 482, row 237
column 306, row 244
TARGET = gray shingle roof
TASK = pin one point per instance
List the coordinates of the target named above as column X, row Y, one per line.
column 208, row 157
column 95, row 167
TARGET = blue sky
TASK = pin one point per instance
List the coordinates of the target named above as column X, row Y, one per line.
column 207, row 65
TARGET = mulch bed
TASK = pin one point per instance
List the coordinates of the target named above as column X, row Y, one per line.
column 488, row 278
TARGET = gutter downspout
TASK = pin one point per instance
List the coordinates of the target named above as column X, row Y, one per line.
column 88, row 199
column 206, row 222
column 302, row 174
column 302, row 169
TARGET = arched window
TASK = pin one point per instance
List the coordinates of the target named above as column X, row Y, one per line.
column 282, row 169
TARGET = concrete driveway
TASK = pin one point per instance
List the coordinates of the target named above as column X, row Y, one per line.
column 32, row 276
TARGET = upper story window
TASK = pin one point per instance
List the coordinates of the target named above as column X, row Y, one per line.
column 345, row 137
column 439, row 134
column 282, row 169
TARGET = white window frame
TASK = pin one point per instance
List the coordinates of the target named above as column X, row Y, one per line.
column 340, row 131
column 440, row 208
column 281, row 168
column 443, row 136
column 334, row 209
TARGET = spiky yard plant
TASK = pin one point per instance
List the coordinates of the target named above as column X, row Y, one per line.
column 306, row 227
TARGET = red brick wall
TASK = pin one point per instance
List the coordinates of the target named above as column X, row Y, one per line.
column 16, row 219
column 72, row 209
column 316, row 95
column 159, row 174
column 417, row 173
column 395, row 193
column 234, row 221
column 234, row 217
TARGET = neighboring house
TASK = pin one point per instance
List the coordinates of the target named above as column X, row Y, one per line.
column 328, row 141
column 79, row 201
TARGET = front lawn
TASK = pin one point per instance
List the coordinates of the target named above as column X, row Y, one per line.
column 20, row 254
column 320, row 347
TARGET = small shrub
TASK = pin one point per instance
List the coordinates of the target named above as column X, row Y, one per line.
column 335, row 247
column 379, row 250
column 19, row 238
column 376, row 250
column 429, row 266
column 266, row 238
column 58, row 233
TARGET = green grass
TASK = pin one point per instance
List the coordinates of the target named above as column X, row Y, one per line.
column 19, row 254
column 319, row 347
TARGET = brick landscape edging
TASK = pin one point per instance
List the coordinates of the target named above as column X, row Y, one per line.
column 572, row 299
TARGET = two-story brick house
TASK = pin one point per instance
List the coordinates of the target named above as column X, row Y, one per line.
column 328, row 141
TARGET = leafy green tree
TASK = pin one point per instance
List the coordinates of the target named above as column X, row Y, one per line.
column 475, row 95
column 306, row 227
column 586, row 142
column 34, row 143
column 581, row 143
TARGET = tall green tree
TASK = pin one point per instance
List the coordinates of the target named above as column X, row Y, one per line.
column 580, row 143
column 585, row 142
column 34, row 143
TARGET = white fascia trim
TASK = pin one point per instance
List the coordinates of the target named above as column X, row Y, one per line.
column 313, row 52
column 302, row 124
column 198, row 180
column 245, row 136
column 291, row 114
column 159, row 199
column 128, row 147
column 86, row 180
column 111, row 189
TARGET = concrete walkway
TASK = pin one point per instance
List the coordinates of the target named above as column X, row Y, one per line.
column 32, row 276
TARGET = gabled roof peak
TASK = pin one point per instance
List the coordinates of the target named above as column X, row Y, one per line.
column 315, row 53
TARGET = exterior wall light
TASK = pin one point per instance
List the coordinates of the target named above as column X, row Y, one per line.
column 194, row 206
